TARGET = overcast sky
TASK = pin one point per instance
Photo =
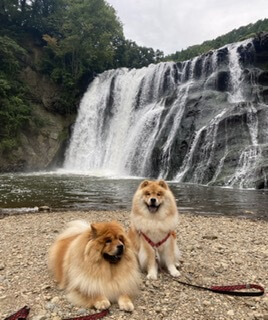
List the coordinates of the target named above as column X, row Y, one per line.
column 172, row 25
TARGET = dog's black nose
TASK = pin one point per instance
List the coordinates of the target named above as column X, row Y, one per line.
column 120, row 249
column 153, row 201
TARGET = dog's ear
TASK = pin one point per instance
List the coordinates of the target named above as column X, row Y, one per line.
column 94, row 231
column 163, row 184
column 144, row 184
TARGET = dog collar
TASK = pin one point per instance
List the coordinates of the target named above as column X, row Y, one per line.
column 153, row 244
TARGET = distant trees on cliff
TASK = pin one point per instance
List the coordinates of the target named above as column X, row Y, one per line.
column 235, row 35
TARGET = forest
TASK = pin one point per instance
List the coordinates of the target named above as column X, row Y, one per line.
column 240, row 34
column 76, row 39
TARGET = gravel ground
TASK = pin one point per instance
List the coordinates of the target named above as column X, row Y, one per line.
column 215, row 251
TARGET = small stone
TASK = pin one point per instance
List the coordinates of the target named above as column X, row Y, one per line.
column 46, row 287
column 2, row 267
column 55, row 300
column 210, row 237
column 82, row 311
column 39, row 317
column 142, row 308
column 230, row 313
column 258, row 316
column 50, row 306
column 158, row 309
column 44, row 209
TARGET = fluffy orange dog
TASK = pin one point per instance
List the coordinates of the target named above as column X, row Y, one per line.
column 154, row 217
column 95, row 264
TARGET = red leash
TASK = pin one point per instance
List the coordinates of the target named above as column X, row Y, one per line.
column 22, row 314
column 94, row 316
column 231, row 289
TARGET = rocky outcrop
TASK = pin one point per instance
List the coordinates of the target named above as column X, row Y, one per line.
column 42, row 143
column 200, row 121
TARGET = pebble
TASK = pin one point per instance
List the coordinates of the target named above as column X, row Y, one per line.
column 230, row 313
column 50, row 306
column 39, row 317
column 210, row 237
column 55, row 300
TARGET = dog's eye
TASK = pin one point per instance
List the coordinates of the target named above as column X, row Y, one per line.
column 159, row 194
column 108, row 240
column 147, row 193
column 121, row 238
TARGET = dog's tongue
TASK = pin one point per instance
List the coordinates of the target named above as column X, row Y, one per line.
column 153, row 209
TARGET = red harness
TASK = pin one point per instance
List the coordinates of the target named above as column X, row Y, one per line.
column 153, row 244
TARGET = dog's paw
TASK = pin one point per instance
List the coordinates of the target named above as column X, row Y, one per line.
column 126, row 306
column 173, row 271
column 152, row 276
column 125, row 303
column 175, row 274
column 102, row 304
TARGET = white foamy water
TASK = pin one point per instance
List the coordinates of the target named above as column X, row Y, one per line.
column 129, row 122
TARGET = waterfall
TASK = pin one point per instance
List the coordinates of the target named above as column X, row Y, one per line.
column 194, row 121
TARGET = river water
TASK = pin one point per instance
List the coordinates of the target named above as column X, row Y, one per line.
column 73, row 191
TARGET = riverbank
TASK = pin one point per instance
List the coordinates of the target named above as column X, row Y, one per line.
column 215, row 251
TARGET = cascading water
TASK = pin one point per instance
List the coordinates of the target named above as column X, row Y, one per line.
column 195, row 121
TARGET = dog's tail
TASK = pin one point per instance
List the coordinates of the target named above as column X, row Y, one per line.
column 73, row 228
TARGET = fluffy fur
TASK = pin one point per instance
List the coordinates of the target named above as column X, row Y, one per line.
column 154, row 213
column 95, row 264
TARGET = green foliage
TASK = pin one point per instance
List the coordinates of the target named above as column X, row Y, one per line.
column 8, row 144
column 10, row 55
column 14, row 110
column 235, row 35
column 129, row 54
column 80, row 38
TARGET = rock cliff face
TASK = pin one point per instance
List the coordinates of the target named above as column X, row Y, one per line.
column 200, row 121
column 43, row 142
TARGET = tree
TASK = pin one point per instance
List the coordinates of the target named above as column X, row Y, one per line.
column 14, row 110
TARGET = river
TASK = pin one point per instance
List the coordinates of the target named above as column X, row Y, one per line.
column 73, row 191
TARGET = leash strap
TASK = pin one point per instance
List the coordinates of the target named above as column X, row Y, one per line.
column 21, row 314
column 231, row 289
column 94, row 316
